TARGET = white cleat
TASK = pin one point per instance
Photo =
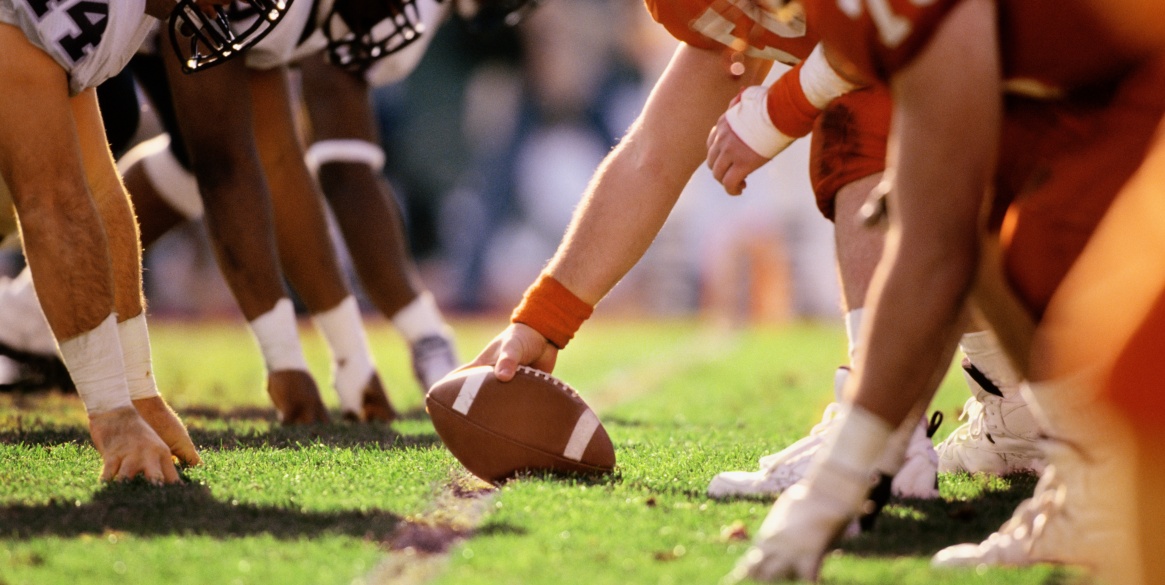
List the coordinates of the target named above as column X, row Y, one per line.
column 23, row 328
column 1079, row 513
column 1000, row 435
column 779, row 471
column 1036, row 533
column 433, row 357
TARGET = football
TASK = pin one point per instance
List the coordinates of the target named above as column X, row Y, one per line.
column 534, row 422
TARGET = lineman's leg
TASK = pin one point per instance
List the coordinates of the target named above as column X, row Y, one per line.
column 121, row 231
column 858, row 249
column 347, row 152
column 307, row 253
column 40, row 161
column 215, row 120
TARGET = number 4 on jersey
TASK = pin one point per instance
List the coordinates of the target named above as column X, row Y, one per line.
column 89, row 16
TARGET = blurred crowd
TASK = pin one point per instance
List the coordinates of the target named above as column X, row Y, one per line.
column 490, row 144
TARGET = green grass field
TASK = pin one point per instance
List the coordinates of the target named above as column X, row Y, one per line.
column 348, row 504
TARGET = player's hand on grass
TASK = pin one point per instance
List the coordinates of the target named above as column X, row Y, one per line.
column 794, row 537
column 730, row 159
column 517, row 345
column 296, row 396
column 170, row 429
column 129, row 447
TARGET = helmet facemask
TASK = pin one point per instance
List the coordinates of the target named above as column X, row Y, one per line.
column 361, row 31
column 201, row 41
column 487, row 16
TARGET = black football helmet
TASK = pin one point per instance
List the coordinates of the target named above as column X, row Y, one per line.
column 201, row 41
column 361, row 31
column 488, row 16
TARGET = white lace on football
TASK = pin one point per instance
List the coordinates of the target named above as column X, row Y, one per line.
column 548, row 377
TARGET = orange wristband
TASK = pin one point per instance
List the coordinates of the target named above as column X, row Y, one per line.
column 552, row 310
column 790, row 110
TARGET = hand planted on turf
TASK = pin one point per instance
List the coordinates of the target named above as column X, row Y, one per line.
column 296, row 396
column 129, row 447
column 729, row 158
column 169, row 428
column 794, row 537
column 517, row 345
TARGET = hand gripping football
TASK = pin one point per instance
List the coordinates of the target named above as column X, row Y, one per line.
column 534, row 422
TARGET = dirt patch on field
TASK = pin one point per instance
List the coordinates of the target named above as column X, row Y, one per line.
column 419, row 545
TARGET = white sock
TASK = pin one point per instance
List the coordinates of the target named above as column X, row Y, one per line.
column 278, row 338
column 135, row 351
column 95, row 364
column 983, row 350
column 853, row 330
column 421, row 318
column 351, row 357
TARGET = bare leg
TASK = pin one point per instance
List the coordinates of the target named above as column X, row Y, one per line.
column 306, row 250
column 369, row 219
column 41, row 162
column 113, row 205
column 307, row 255
column 859, row 247
column 214, row 110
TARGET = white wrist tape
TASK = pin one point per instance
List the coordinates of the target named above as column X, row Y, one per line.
column 850, row 452
column 278, row 338
column 343, row 329
column 95, row 364
column 135, row 350
column 820, row 82
column 347, row 150
column 173, row 183
column 749, row 119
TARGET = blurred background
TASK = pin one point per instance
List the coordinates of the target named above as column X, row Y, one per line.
column 491, row 143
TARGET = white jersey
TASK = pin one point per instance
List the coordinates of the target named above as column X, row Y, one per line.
column 291, row 40
column 92, row 40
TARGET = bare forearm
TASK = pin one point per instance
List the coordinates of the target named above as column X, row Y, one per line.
column 636, row 187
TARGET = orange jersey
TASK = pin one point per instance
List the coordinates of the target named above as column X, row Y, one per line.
column 738, row 25
column 1053, row 46
column 1062, row 160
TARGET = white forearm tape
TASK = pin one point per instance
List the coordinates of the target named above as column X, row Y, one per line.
column 95, row 364
column 174, row 184
column 851, row 450
column 820, row 81
column 749, row 119
column 278, row 338
column 135, row 350
column 347, row 150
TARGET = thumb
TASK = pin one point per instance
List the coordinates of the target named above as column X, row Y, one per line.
column 507, row 363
